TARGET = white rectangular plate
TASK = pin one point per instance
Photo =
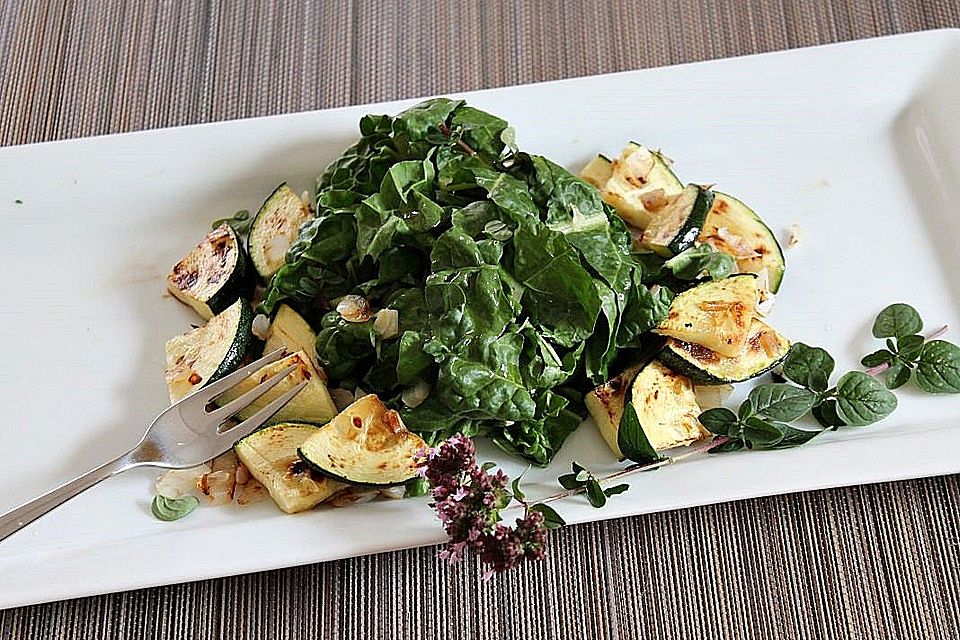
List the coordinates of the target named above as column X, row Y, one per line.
column 858, row 143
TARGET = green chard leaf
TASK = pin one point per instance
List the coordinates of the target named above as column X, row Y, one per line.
column 896, row 321
column 862, row 399
column 938, row 367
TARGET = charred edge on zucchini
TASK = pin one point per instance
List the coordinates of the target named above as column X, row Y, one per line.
column 677, row 226
column 275, row 229
column 366, row 444
column 270, row 455
column 765, row 349
column 213, row 275
column 716, row 315
column 207, row 353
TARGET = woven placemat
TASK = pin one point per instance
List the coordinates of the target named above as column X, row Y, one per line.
column 879, row 561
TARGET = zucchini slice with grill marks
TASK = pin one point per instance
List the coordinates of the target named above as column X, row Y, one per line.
column 209, row 352
column 366, row 444
column 677, row 226
column 312, row 404
column 734, row 228
column 213, row 275
column 716, row 315
column 664, row 401
column 271, row 456
column 765, row 349
column 275, row 229
column 289, row 330
column 639, row 183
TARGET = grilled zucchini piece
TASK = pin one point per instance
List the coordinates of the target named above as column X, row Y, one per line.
column 765, row 349
column 716, row 315
column 289, row 330
column 597, row 172
column 270, row 454
column 366, row 444
column 639, row 185
column 734, row 228
column 677, row 226
column 213, row 275
column 210, row 352
column 312, row 404
column 664, row 401
column 275, row 229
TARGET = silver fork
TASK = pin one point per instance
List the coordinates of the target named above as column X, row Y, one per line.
column 185, row 435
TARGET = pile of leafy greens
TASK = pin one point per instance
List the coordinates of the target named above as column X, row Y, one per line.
column 514, row 283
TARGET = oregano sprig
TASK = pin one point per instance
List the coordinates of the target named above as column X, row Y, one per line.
column 933, row 364
column 583, row 479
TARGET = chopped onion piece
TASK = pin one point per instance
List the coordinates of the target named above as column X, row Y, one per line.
column 177, row 483
column 414, row 396
column 354, row 308
column 261, row 326
column 387, row 323
column 741, row 249
column 654, row 200
column 394, row 493
column 712, row 396
column 218, row 486
column 352, row 495
column 795, row 236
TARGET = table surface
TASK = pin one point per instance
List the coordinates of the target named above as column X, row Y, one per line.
column 874, row 561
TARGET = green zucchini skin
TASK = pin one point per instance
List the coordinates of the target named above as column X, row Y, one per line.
column 279, row 219
column 734, row 215
column 243, row 342
column 686, row 231
column 238, row 285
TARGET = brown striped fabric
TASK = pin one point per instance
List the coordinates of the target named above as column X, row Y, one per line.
column 878, row 561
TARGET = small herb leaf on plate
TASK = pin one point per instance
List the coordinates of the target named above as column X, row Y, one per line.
column 616, row 490
column 897, row 375
column 909, row 347
column 808, row 366
column 692, row 263
column 720, row 421
column 826, row 414
column 896, row 321
column 595, row 494
column 938, row 367
column 170, row 509
column 862, row 399
column 515, row 486
column 760, row 434
column 878, row 358
column 551, row 519
column 632, row 440
column 783, row 402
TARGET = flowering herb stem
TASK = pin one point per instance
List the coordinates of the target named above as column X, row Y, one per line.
column 637, row 468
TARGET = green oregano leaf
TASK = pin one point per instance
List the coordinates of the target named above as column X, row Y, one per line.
column 569, row 481
column 595, row 494
column 170, row 509
column 616, row 490
column 720, row 421
column 909, row 347
column 878, row 358
column 938, row 367
column 783, row 402
column 896, row 321
column 551, row 519
column 862, row 399
column 896, row 376
column 808, row 366
column 826, row 414
column 761, row 434
column 632, row 440
column 416, row 487
column 241, row 222
column 515, row 486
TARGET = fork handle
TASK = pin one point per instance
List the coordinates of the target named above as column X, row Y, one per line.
column 17, row 518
